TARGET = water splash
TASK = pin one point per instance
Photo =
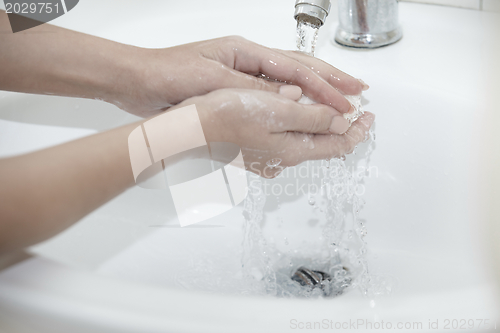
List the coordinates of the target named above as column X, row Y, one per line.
column 344, row 248
column 342, row 253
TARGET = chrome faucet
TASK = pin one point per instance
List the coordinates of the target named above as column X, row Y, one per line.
column 368, row 23
column 362, row 23
column 312, row 11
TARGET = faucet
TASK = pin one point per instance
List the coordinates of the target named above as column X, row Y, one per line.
column 362, row 23
column 310, row 16
column 313, row 12
column 368, row 23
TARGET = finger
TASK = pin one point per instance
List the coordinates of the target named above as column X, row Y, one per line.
column 253, row 59
column 311, row 119
column 330, row 146
column 291, row 92
column 339, row 125
column 236, row 79
column 344, row 82
column 230, row 78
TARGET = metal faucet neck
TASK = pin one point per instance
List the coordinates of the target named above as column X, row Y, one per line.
column 312, row 11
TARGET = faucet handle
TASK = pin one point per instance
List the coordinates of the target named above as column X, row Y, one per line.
column 312, row 11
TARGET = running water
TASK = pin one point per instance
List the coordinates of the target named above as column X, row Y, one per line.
column 307, row 36
column 342, row 250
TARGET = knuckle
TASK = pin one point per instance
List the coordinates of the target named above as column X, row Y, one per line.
column 235, row 39
column 352, row 139
column 321, row 120
column 315, row 124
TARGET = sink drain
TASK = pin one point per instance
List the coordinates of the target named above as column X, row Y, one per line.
column 330, row 285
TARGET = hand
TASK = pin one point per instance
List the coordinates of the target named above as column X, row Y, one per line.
column 267, row 125
column 166, row 77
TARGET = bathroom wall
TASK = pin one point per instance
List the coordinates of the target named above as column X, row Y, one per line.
column 487, row 5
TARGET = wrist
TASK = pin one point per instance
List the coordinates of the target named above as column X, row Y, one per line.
column 136, row 83
column 119, row 78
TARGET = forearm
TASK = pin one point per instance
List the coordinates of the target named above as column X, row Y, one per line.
column 52, row 60
column 45, row 192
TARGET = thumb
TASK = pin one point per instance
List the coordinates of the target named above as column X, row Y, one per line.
column 315, row 119
column 291, row 92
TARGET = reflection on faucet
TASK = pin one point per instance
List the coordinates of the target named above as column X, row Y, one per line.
column 362, row 19
column 312, row 11
column 368, row 24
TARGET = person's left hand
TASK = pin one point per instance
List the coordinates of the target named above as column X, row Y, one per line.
column 166, row 77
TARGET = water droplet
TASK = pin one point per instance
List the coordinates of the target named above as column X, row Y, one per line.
column 312, row 201
column 274, row 162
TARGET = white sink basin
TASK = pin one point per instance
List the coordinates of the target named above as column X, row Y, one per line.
column 121, row 268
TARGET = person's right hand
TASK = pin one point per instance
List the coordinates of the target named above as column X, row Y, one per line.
column 267, row 125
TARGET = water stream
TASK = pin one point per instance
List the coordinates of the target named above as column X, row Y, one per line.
column 340, row 251
column 307, row 36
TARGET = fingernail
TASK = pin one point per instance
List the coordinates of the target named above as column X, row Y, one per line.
column 291, row 92
column 365, row 86
column 339, row 125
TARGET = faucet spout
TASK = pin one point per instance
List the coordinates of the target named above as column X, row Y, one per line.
column 312, row 11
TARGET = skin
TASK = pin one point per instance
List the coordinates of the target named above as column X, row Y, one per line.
column 45, row 192
column 51, row 60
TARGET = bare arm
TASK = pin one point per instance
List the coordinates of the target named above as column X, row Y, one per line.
column 51, row 60
column 45, row 192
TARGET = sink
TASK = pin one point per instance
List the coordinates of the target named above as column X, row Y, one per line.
column 125, row 266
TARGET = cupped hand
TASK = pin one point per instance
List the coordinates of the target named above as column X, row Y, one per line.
column 267, row 126
column 168, row 76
